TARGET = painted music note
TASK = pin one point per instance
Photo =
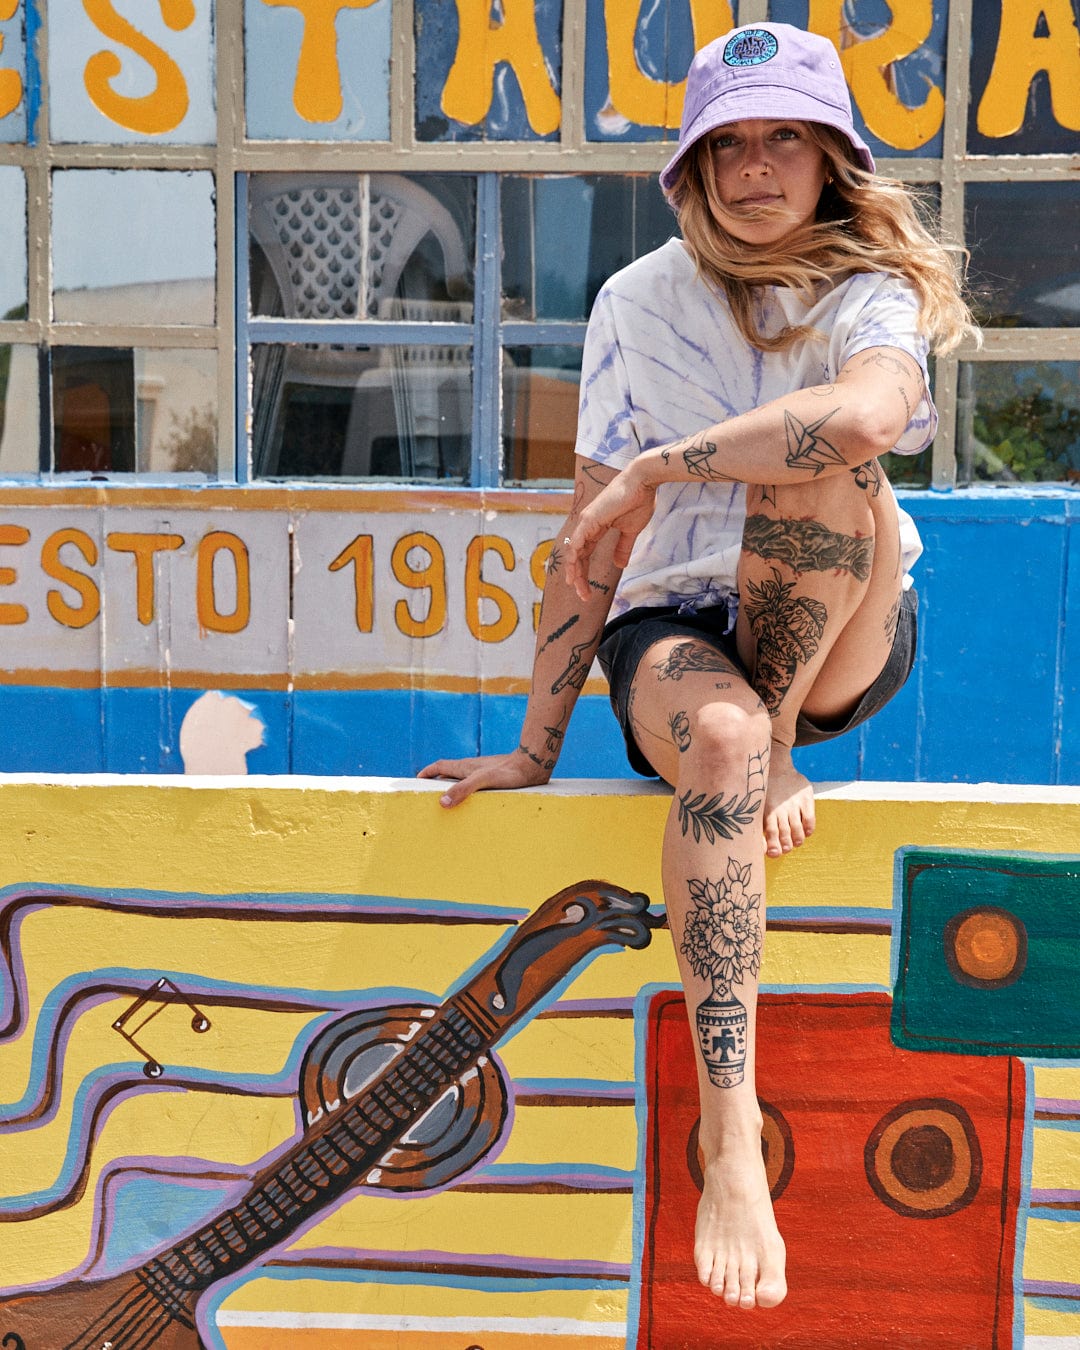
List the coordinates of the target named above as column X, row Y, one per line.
column 199, row 1021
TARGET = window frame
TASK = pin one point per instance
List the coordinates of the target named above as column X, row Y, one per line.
column 232, row 157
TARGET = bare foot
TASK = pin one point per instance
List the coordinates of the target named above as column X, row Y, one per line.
column 738, row 1250
column 789, row 805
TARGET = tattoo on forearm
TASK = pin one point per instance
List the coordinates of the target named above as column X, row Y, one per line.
column 723, row 818
column 554, row 561
column 808, row 546
column 822, row 390
column 577, row 668
column 692, row 656
column 563, row 628
column 722, row 945
column 806, row 449
column 698, row 459
column 595, row 474
column 600, row 586
column 869, row 477
column 788, row 629
column 536, row 759
column 679, row 724
column 554, row 741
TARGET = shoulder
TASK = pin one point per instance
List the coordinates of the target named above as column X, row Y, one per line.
column 654, row 273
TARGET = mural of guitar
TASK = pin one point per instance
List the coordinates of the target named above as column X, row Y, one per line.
column 407, row 1098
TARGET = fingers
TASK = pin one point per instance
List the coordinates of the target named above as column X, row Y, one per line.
column 467, row 779
column 578, row 546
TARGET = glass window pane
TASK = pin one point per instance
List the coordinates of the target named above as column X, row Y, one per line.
column 133, row 72
column 1025, row 253
column 12, row 243
column 611, row 219
column 403, row 413
column 540, row 403
column 1019, row 422
column 133, row 246
column 343, row 246
column 119, row 410
column 20, row 415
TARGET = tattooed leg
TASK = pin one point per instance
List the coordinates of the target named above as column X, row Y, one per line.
column 819, row 578
column 712, row 744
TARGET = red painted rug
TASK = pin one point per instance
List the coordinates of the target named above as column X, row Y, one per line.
column 895, row 1177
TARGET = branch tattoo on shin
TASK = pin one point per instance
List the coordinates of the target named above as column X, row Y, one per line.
column 722, row 944
column 721, row 817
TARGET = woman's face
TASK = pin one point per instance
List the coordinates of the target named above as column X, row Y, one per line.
column 769, row 176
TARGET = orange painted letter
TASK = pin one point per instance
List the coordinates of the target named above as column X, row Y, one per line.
column 210, row 617
column 54, row 566
column 484, row 41
column 165, row 107
column 317, row 91
column 1019, row 58
column 16, row 536
column 143, row 547
column 11, row 86
column 477, row 590
column 635, row 96
column 867, row 64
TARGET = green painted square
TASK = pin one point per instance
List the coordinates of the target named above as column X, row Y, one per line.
column 988, row 953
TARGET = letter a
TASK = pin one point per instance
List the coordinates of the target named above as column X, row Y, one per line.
column 484, row 41
column 1021, row 55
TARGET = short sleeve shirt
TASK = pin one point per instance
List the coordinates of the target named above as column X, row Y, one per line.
column 664, row 359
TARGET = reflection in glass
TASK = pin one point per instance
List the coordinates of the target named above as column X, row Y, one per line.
column 133, row 246
column 12, row 243
column 612, row 220
column 345, row 246
column 1019, row 422
column 1024, row 277
column 19, row 410
column 119, row 410
column 401, row 412
column 540, row 404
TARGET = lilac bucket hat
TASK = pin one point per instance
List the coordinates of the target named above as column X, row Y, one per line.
column 771, row 70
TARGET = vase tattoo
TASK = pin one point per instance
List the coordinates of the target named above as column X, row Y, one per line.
column 722, row 942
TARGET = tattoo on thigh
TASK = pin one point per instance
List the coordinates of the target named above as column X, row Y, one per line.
column 788, row 629
column 806, row 448
column 868, row 476
column 808, row 546
column 691, row 656
column 720, row 817
column 679, row 724
column 892, row 621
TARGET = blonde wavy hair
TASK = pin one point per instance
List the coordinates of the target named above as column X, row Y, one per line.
column 864, row 223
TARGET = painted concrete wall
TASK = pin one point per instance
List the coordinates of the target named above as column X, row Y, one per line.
column 371, row 632
column 173, row 950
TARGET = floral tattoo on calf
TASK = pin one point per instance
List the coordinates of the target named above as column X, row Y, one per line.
column 722, row 944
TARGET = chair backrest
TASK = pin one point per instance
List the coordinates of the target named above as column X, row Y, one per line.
column 337, row 244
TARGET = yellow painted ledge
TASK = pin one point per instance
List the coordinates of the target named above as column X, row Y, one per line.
column 390, row 837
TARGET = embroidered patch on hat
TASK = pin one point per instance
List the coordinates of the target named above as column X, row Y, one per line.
column 752, row 47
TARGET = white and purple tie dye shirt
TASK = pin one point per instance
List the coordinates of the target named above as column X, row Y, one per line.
column 664, row 359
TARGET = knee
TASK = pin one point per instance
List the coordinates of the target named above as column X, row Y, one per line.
column 725, row 737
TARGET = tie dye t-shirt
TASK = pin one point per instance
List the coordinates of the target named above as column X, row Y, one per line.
column 664, row 359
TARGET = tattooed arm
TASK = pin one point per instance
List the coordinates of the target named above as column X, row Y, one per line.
column 825, row 429
column 566, row 642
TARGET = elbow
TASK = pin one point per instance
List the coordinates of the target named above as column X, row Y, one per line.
column 875, row 432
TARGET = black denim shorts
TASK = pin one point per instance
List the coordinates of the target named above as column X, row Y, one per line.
column 627, row 639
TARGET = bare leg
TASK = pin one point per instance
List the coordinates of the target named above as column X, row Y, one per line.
column 706, row 731
column 819, row 581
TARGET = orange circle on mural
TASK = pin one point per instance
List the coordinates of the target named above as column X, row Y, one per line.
column 986, row 947
column 777, row 1149
column 923, row 1159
